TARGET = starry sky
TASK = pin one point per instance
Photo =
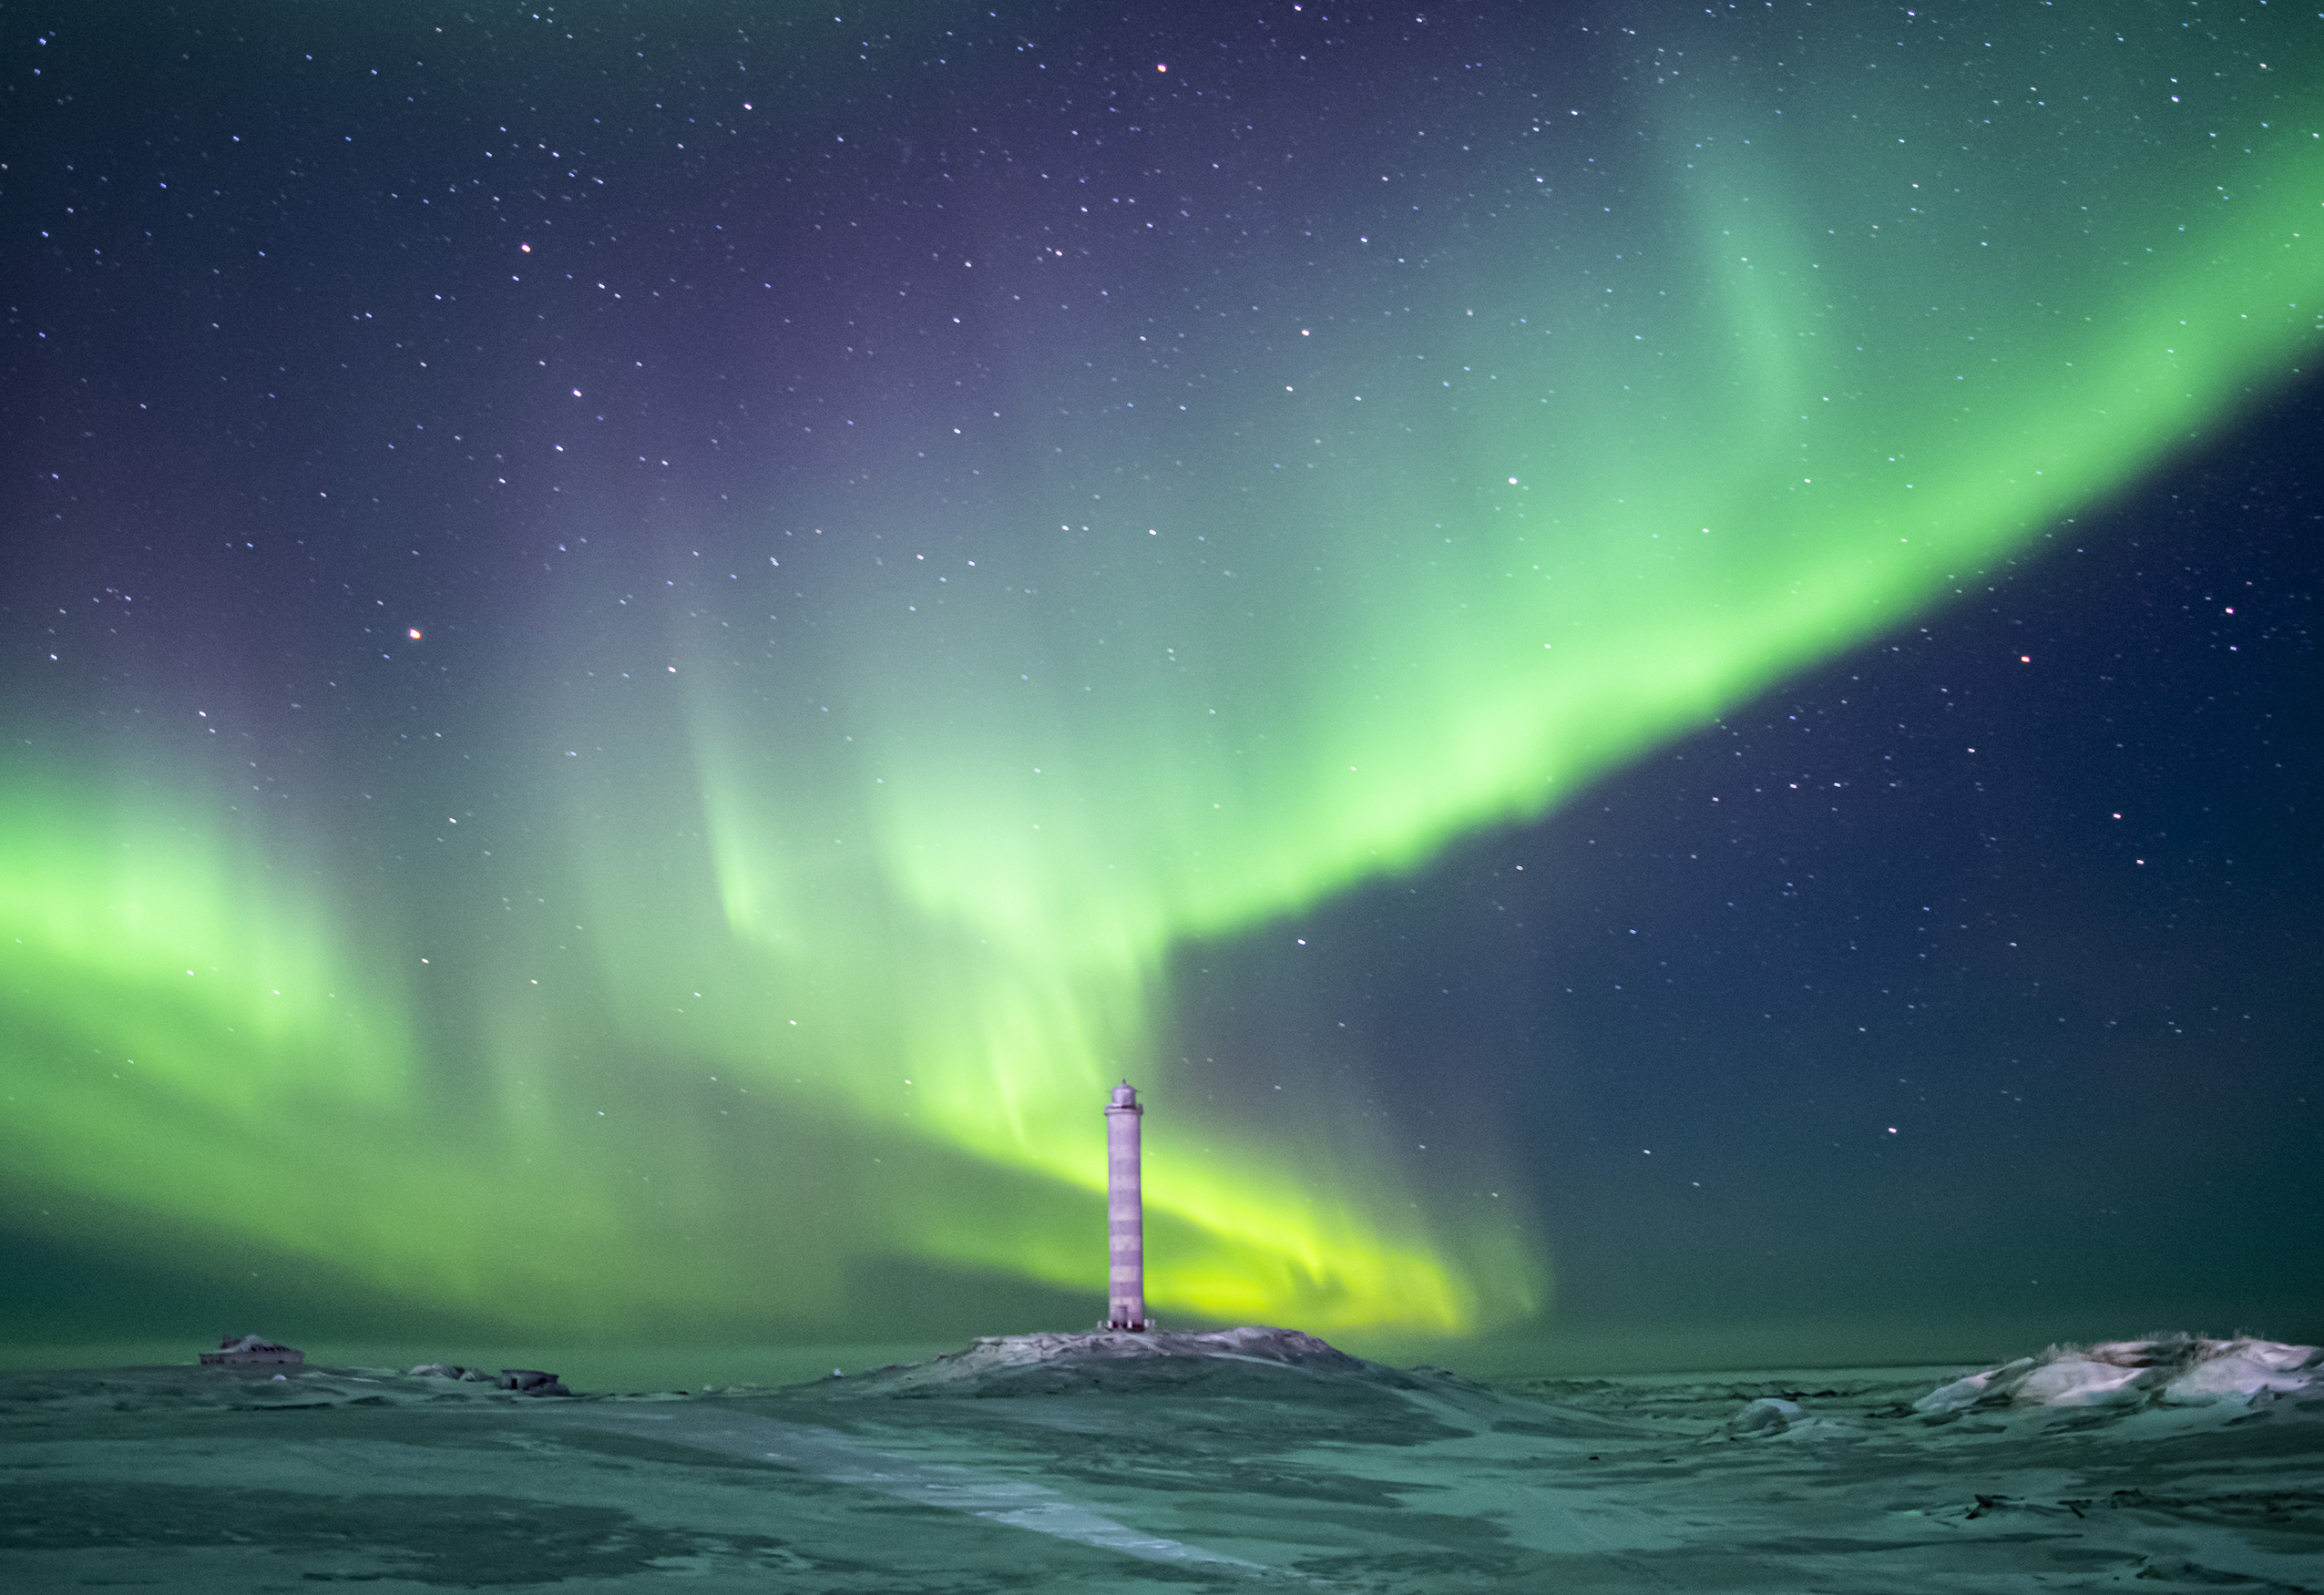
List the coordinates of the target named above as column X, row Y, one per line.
column 1653, row 668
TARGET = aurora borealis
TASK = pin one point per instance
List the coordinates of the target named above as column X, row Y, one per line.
column 646, row 645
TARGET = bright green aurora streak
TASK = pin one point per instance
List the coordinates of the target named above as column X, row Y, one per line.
column 910, row 882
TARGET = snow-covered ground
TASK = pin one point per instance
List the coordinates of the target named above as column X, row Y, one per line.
column 1105, row 1462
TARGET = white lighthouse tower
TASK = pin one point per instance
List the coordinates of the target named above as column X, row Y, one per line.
column 1125, row 1213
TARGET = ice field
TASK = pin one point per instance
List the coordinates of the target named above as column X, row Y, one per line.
column 1253, row 1458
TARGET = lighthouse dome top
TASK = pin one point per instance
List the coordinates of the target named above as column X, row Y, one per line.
column 1125, row 1095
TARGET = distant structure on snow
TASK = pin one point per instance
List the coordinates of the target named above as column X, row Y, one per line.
column 1125, row 1214
column 249, row 1348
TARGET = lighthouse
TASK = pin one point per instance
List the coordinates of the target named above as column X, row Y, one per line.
column 1125, row 1213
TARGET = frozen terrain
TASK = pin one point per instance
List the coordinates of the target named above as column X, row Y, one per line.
column 1252, row 1457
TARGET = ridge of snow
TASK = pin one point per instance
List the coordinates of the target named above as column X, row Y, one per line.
column 2166, row 1370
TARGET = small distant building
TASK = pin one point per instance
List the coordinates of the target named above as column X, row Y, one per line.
column 532, row 1381
column 249, row 1348
column 1125, row 1214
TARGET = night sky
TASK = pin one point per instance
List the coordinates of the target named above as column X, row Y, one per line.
column 1653, row 668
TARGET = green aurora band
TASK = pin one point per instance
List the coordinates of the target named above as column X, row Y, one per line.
column 866, row 911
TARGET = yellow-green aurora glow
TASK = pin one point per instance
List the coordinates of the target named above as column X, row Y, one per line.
column 857, row 913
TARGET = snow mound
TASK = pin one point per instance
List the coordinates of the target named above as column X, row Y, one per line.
column 2169, row 1370
column 1770, row 1414
column 1253, row 1360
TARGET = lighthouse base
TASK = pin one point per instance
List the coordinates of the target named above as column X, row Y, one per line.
column 1253, row 1361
